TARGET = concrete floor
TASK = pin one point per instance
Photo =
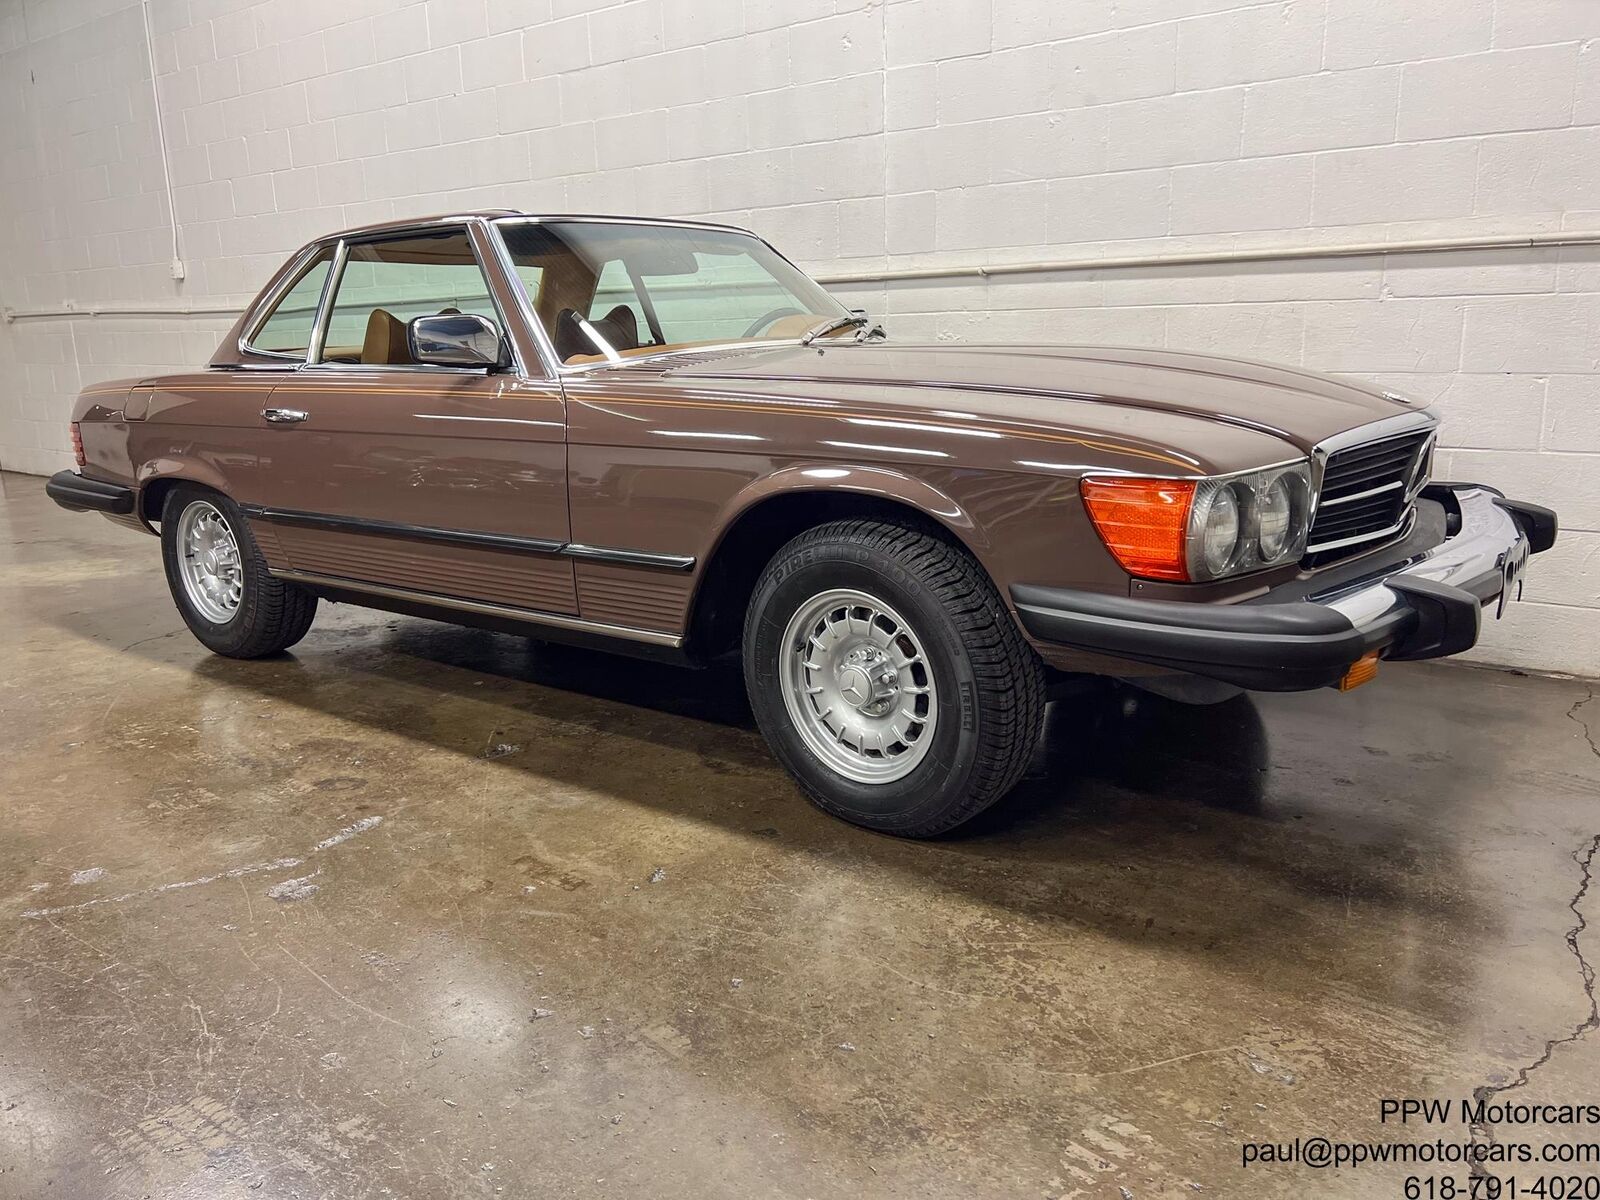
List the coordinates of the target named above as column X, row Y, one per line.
column 419, row 911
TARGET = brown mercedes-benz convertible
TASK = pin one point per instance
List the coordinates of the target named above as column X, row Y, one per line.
column 661, row 437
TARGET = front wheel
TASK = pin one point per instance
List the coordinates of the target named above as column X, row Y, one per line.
column 220, row 582
column 888, row 677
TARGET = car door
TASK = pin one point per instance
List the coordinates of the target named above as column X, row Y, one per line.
column 383, row 472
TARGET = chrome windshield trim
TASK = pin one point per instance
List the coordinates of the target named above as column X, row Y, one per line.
column 483, row 236
column 541, row 336
column 524, row 305
column 580, row 218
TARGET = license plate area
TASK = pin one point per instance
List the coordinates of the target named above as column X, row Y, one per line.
column 1513, row 566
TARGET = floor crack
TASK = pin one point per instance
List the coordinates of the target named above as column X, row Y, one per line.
column 1588, row 734
column 174, row 633
column 1584, row 856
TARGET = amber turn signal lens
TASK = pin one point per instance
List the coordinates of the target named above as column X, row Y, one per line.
column 1143, row 522
column 77, row 446
column 1363, row 670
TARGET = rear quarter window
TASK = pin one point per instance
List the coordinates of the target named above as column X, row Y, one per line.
column 286, row 331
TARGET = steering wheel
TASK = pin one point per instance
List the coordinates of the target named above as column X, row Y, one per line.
column 767, row 318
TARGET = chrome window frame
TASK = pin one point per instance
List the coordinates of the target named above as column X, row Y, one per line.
column 341, row 242
column 541, row 337
column 319, row 331
column 268, row 305
column 398, row 233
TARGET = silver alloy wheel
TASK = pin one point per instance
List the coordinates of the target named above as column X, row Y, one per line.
column 858, row 686
column 213, row 574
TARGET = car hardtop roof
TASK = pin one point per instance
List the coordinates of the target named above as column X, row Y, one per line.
column 401, row 225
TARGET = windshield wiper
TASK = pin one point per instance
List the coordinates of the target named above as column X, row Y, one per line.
column 854, row 320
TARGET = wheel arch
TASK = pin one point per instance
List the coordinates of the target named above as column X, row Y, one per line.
column 160, row 475
column 774, row 509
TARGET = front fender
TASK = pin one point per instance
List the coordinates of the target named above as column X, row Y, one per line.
column 882, row 482
column 1020, row 527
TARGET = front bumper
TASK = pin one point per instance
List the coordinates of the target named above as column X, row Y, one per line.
column 1424, row 600
column 79, row 493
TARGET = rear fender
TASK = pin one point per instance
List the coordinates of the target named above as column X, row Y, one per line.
column 157, row 476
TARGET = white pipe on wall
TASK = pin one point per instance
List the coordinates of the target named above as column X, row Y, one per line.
column 112, row 310
column 1529, row 241
column 161, row 140
column 1223, row 257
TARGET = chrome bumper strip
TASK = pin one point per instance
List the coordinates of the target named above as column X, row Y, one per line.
column 1485, row 557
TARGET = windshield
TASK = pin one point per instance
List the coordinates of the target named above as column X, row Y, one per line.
column 606, row 291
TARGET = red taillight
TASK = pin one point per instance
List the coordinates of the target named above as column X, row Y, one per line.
column 1143, row 522
column 77, row 445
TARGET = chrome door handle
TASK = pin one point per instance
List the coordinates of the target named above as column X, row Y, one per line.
column 284, row 416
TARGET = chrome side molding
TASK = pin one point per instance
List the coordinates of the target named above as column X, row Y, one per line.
column 629, row 558
column 614, row 556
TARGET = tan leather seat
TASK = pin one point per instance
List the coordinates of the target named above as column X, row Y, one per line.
column 385, row 343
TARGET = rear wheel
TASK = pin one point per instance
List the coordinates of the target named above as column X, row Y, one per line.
column 888, row 677
column 220, row 582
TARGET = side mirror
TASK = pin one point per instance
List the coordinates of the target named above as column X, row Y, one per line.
column 456, row 340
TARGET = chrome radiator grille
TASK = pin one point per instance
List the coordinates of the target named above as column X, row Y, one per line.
column 1368, row 493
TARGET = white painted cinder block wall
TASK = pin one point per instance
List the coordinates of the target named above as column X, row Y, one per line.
column 858, row 134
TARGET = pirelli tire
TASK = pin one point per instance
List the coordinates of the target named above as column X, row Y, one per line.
column 888, row 677
column 220, row 581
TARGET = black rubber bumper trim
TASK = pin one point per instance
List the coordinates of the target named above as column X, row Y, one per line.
column 1283, row 641
column 1269, row 647
column 71, row 490
column 1539, row 524
column 1447, row 617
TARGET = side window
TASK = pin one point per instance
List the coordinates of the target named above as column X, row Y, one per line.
column 385, row 284
column 287, row 329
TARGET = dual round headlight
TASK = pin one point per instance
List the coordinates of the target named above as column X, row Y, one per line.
column 1219, row 536
column 1274, row 518
column 1249, row 521
column 1189, row 530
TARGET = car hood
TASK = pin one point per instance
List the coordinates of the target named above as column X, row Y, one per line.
column 1300, row 407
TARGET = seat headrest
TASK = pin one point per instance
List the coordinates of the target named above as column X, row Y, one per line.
column 385, row 343
column 619, row 328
